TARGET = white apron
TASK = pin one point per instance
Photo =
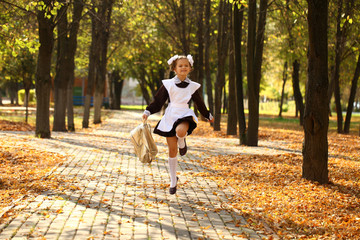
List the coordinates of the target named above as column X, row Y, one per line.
column 178, row 107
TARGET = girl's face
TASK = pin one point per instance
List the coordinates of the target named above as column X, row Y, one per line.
column 182, row 68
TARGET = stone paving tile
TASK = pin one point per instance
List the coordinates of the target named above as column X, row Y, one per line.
column 111, row 195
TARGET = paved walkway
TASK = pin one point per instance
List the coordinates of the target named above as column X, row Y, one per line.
column 113, row 196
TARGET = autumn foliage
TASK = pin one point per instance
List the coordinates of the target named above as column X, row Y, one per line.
column 15, row 126
column 269, row 190
column 24, row 171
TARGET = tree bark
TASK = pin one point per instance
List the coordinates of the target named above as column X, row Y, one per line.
column 28, row 68
column 341, row 32
column 207, row 43
column 104, row 23
column 12, row 90
column 43, row 78
column 93, row 63
column 222, row 44
column 232, row 114
column 200, row 48
column 62, row 71
column 74, row 29
column 238, row 20
column 283, row 89
column 350, row 106
column 295, row 64
column 70, row 105
column 255, row 50
column 336, row 73
column 316, row 119
column 297, row 93
column 116, row 89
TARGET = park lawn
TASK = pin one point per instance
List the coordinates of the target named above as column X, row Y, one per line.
column 271, row 194
column 19, row 117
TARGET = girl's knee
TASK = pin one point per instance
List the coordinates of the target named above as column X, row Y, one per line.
column 181, row 129
column 181, row 133
column 173, row 152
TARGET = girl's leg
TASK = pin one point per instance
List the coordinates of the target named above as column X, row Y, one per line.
column 181, row 133
column 172, row 145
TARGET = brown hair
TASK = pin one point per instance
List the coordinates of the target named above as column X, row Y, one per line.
column 173, row 64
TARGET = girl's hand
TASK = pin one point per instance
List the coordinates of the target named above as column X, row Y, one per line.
column 211, row 118
column 144, row 117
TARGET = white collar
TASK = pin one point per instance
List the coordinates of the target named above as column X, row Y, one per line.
column 177, row 80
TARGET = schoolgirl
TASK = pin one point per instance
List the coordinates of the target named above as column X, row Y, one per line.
column 179, row 120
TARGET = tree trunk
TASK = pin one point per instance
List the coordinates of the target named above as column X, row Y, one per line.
column 253, row 96
column 104, row 28
column 209, row 87
column 145, row 92
column 74, row 29
column 341, row 32
column 184, row 34
column 111, row 89
column 93, row 65
column 200, row 49
column 225, row 101
column 232, row 115
column 28, row 66
column 297, row 93
column 27, row 97
column 336, row 73
column 350, row 106
column 43, row 78
column 316, row 119
column 222, row 44
column 62, row 72
column 98, row 101
column 13, row 89
column 118, row 92
column 238, row 19
column 299, row 105
column 283, row 88
column 70, row 105
column 255, row 50
column 116, row 85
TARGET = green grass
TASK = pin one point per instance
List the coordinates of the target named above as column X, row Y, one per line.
column 133, row 107
column 268, row 117
column 19, row 116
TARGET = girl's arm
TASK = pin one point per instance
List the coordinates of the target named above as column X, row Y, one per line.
column 159, row 100
column 196, row 97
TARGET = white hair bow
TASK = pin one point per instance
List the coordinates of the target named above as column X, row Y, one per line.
column 174, row 58
column 190, row 59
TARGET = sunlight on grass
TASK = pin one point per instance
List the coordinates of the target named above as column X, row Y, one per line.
column 268, row 116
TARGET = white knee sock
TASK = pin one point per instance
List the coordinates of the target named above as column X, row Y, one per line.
column 181, row 141
column 172, row 169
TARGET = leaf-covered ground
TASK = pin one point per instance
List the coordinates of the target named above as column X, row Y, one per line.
column 15, row 126
column 269, row 189
column 24, row 171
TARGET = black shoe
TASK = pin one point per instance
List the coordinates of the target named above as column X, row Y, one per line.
column 173, row 189
column 183, row 151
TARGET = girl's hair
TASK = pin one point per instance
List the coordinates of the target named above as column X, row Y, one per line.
column 173, row 64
